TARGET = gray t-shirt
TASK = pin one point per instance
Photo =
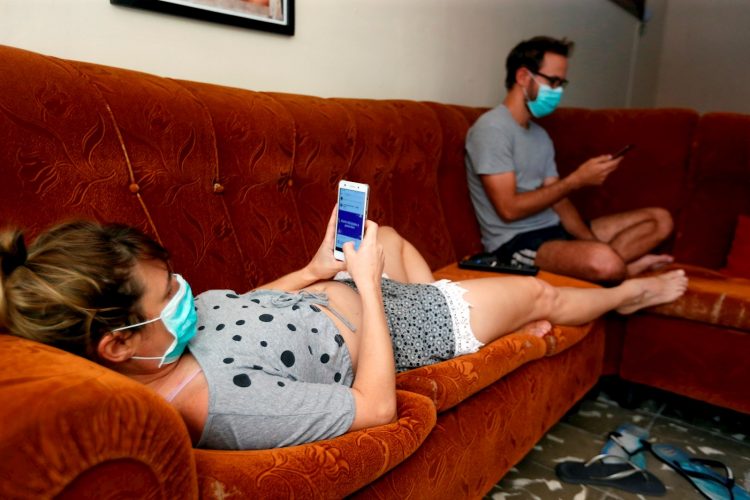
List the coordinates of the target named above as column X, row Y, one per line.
column 495, row 144
column 278, row 371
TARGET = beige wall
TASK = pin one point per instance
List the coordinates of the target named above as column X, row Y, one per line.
column 442, row 50
column 705, row 61
column 647, row 46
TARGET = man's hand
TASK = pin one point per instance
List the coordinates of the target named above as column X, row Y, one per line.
column 595, row 171
column 323, row 265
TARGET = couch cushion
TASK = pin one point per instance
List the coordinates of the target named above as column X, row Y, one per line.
column 738, row 261
column 449, row 382
column 452, row 184
column 331, row 468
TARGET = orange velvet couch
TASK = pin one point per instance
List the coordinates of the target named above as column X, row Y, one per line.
column 239, row 186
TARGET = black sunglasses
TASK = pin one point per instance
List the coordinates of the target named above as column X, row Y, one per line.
column 554, row 81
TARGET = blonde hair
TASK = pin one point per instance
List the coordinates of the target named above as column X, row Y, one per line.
column 74, row 284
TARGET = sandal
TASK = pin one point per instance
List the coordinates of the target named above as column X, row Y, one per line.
column 624, row 475
column 625, row 442
column 710, row 484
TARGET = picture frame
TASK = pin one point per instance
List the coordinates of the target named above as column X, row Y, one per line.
column 635, row 7
column 276, row 16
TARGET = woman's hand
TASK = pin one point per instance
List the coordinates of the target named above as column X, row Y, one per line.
column 323, row 265
column 366, row 264
column 374, row 386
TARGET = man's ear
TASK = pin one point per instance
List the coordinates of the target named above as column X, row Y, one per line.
column 523, row 75
column 116, row 347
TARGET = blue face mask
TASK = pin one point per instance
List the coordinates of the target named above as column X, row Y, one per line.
column 546, row 100
column 180, row 319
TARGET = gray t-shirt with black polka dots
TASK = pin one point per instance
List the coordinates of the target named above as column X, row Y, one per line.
column 278, row 371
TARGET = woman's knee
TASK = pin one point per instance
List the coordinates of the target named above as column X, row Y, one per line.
column 389, row 236
column 544, row 296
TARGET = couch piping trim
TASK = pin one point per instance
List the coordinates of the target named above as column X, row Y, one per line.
column 131, row 173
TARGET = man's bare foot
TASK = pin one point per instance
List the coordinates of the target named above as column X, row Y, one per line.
column 654, row 290
column 538, row 328
column 649, row 262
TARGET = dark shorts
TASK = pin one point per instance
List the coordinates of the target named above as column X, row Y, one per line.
column 521, row 249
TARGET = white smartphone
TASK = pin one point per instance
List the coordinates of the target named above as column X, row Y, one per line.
column 351, row 215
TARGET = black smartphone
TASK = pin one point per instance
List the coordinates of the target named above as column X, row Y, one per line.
column 623, row 151
column 488, row 262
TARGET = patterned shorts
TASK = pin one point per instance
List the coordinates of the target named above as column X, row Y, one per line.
column 428, row 322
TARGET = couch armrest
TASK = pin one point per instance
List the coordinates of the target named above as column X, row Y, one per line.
column 712, row 298
column 332, row 468
column 74, row 429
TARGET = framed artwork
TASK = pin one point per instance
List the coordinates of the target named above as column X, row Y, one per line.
column 276, row 16
column 635, row 7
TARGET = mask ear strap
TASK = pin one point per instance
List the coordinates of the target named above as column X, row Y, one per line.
column 128, row 327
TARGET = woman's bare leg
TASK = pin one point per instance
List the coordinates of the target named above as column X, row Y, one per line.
column 403, row 262
column 502, row 305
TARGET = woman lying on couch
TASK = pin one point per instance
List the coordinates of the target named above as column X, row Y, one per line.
column 272, row 368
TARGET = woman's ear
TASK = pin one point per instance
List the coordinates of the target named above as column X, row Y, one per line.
column 116, row 347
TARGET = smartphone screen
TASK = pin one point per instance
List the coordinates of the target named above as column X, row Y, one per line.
column 351, row 216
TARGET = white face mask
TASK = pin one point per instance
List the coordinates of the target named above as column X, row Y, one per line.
column 180, row 319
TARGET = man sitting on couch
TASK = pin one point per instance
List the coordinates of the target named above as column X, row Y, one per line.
column 520, row 200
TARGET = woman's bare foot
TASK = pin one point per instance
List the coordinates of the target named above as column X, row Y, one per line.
column 654, row 290
column 538, row 328
column 649, row 262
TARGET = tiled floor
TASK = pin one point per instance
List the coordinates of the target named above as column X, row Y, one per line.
column 699, row 429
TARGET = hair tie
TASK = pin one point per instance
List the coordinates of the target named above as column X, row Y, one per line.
column 16, row 257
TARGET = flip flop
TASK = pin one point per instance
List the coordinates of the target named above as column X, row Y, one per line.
column 709, row 483
column 624, row 475
column 625, row 442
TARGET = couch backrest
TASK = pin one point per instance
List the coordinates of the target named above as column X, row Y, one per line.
column 718, row 189
column 238, row 185
column 697, row 167
column 654, row 173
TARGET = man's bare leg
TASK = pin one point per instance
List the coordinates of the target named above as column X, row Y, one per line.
column 632, row 234
column 502, row 305
column 588, row 260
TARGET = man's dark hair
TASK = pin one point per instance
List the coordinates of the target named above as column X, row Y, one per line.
column 530, row 54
